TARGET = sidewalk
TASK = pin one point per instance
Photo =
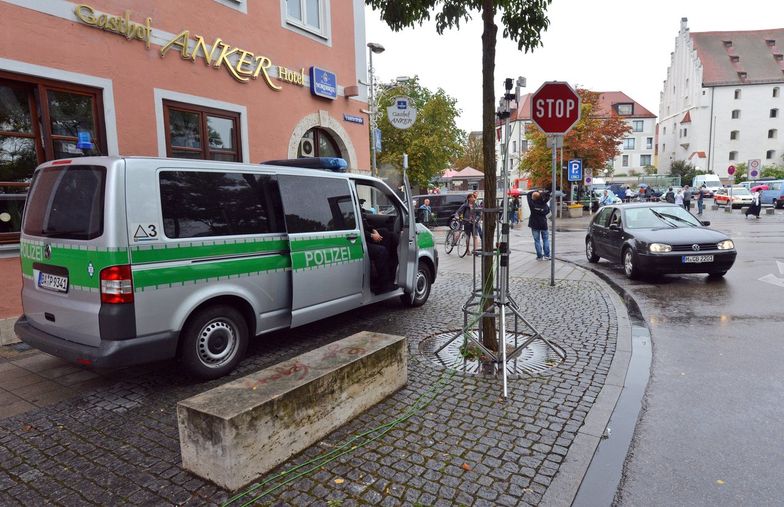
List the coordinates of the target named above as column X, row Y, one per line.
column 115, row 441
column 10, row 300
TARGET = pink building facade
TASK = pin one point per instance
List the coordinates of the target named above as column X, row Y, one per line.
column 235, row 80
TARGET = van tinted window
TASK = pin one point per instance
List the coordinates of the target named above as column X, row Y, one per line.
column 317, row 204
column 66, row 202
column 198, row 204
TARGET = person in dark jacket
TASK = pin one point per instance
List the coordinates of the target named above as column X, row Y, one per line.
column 538, row 224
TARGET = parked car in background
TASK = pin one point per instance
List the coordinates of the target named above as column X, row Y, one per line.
column 774, row 194
column 738, row 196
column 442, row 206
column 657, row 238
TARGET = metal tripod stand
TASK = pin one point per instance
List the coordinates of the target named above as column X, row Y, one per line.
column 502, row 302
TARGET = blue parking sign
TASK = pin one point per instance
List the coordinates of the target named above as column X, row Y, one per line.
column 575, row 169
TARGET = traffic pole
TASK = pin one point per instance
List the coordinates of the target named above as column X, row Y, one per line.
column 552, row 213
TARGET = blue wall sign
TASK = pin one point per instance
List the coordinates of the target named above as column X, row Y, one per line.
column 323, row 83
column 353, row 119
column 575, row 169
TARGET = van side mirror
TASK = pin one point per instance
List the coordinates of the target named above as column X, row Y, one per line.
column 706, row 223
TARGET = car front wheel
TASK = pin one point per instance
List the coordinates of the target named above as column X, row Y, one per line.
column 630, row 264
column 590, row 251
column 422, row 285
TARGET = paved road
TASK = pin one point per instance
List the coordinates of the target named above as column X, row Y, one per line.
column 710, row 432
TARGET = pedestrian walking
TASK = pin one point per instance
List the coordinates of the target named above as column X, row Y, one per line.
column 670, row 196
column 755, row 207
column 686, row 197
column 701, row 199
column 538, row 224
column 679, row 197
column 629, row 194
column 515, row 210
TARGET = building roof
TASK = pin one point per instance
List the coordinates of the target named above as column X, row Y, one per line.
column 749, row 57
column 686, row 117
column 469, row 172
column 609, row 100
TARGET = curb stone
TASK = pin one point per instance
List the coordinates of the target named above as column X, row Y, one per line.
column 566, row 483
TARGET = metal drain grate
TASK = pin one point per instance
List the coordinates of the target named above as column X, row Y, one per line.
column 535, row 359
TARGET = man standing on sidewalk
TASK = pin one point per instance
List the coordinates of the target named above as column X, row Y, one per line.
column 686, row 197
column 538, row 224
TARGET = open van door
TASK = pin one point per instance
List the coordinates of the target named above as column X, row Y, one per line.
column 407, row 250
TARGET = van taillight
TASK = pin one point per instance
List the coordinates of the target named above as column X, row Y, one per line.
column 116, row 285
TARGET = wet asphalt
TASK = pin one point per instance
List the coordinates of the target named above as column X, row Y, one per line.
column 710, row 430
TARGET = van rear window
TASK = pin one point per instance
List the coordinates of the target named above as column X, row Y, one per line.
column 66, row 202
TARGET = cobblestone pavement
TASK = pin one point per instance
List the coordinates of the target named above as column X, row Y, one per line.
column 118, row 444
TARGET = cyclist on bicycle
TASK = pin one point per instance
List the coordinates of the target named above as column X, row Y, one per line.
column 469, row 213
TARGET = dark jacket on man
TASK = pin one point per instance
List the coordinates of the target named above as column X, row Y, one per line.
column 539, row 212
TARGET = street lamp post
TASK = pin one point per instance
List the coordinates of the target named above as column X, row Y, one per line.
column 373, row 47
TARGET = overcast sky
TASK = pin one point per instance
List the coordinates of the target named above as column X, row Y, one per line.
column 602, row 45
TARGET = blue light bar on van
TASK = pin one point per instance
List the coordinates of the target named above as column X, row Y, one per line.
column 334, row 164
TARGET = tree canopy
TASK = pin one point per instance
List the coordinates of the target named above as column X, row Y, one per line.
column 434, row 139
column 594, row 139
column 471, row 155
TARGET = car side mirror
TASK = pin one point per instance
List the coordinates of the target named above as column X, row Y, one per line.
column 706, row 223
column 614, row 227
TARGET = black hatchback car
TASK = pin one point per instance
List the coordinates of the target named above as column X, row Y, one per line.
column 443, row 206
column 657, row 238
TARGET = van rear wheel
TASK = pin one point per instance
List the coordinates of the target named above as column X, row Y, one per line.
column 214, row 342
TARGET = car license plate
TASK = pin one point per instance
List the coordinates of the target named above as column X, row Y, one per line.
column 688, row 259
column 56, row 283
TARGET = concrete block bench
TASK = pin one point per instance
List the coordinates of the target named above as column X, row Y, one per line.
column 728, row 209
column 769, row 211
column 714, row 207
column 237, row 432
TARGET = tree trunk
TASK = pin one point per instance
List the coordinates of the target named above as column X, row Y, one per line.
column 489, row 36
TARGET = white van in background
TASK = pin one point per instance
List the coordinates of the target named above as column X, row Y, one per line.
column 711, row 182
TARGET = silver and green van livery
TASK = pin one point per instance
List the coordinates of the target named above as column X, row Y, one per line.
column 134, row 260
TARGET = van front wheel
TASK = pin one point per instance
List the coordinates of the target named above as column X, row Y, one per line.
column 422, row 284
column 213, row 342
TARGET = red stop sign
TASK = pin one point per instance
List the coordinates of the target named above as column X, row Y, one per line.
column 555, row 107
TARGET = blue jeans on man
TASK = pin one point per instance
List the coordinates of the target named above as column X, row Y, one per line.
column 541, row 236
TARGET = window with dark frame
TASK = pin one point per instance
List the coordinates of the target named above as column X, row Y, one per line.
column 41, row 120
column 735, row 114
column 733, row 155
column 774, row 113
column 770, row 154
column 204, row 133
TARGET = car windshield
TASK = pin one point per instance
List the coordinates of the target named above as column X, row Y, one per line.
column 740, row 191
column 659, row 216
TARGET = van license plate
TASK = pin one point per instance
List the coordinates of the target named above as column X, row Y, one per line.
column 53, row 282
column 689, row 259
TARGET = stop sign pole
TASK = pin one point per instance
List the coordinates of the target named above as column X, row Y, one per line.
column 556, row 108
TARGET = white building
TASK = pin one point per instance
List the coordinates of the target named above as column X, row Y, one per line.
column 637, row 147
column 722, row 100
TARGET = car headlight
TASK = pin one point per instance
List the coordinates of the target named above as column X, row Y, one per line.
column 727, row 244
column 659, row 248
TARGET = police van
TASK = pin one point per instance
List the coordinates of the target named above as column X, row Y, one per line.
column 129, row 260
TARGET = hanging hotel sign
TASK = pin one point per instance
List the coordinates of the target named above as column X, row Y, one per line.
column 241, row 64
column 402, row 114
column 323, row 83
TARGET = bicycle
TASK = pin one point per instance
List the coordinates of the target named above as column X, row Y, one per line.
column 454, row 238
